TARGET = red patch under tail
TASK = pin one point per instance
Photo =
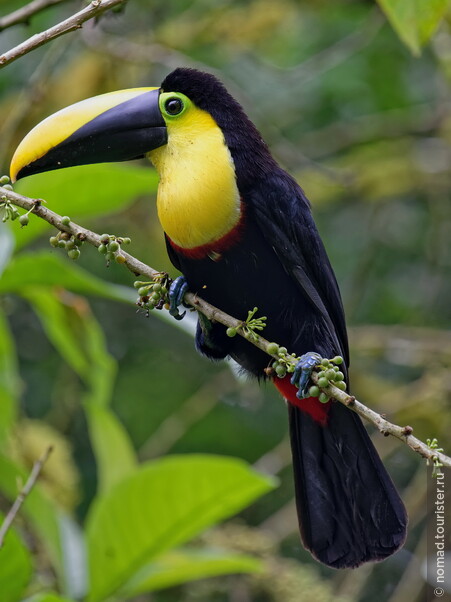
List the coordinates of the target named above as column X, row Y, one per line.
column 311, row 405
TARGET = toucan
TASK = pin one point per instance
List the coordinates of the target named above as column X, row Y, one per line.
column 240, row 230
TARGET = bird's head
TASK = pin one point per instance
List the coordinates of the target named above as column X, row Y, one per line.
column 130, row 124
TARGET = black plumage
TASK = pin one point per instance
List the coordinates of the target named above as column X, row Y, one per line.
column 349, row 510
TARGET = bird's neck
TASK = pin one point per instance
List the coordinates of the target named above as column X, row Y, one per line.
column 198, row 200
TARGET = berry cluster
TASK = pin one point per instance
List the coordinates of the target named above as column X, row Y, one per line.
column 329, row 374
column 70, row 242
column 10, row 211
column 110, row 246
column 153, row 294
column 284, row 362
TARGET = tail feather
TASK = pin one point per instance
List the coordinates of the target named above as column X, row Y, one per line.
column 348, row 508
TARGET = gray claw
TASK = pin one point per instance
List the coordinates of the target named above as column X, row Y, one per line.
column 303, row 371
column 176, row 293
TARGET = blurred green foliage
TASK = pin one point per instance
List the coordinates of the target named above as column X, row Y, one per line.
column 365, row 127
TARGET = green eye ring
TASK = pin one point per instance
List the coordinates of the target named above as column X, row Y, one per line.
column 174, row 105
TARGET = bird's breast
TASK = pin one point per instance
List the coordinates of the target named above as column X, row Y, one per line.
column 215, row 248
column 198, row 200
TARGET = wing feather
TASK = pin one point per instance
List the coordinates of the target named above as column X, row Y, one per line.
column 283, row 213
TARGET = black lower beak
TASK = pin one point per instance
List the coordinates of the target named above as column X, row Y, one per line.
column 125, row 130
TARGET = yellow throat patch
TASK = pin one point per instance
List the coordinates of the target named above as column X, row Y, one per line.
column 198, row 200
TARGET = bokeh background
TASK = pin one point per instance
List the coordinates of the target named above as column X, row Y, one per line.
column 365, row 127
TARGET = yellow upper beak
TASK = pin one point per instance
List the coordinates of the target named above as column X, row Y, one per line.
column 109, row 127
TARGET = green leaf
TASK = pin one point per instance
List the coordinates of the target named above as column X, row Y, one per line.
column 48, row 597
column 182, row 565
column 47, row 268
column 75, row 332
column 115, row 456
column 84, row 191
column 72, row 328
column 42, row 513
column 9, row 379
column 414, row 20
column 61, row 325
column 162, row 505
column 15, row 567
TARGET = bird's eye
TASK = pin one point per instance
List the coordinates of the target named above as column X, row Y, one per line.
column 173, row 106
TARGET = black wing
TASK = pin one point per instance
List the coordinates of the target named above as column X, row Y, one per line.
column 282, row 211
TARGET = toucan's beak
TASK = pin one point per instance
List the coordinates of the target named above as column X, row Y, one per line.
column 118, row 126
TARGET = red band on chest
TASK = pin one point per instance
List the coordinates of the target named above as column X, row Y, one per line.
column 215, row 248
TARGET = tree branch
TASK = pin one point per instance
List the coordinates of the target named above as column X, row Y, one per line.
column 23, row 14
column 137, row 267
column 35, row 472
column 94, row 9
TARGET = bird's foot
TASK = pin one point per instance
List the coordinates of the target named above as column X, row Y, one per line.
column 177, row 291
column 303, row 371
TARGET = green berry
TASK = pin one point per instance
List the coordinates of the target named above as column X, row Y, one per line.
column 163, row 290
column 4, row 180
column 139, row 283
column 70, row 244
column 314, row 391
column 65, row 220
column 120, row 259
column 102, row 249
column 341, row 385
column 330, row 374
column 272, row 348
column 155, row 297
column 321, row 374
column 7, row 187
column 53, row 240
column 231, row 332
column 78, row 241
column 283, row 350
column 323, row 382
column 281, row 371
column 23, row 220
column 74, row 253
column 156, row 287
column 143, row 291
column 113, row 246
column 14, row 213
column 339, row 376
column 109, row 256
column 126, row 240
column 338, row 359
column 325, row 362
column 323, row 398
column 62, row 244
column 274, row 365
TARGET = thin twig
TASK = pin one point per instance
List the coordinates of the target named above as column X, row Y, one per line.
column 94, row 9
column 22, row 496
column 23, row 14
column 403, row 433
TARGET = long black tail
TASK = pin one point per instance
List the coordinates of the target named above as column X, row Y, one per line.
column 348, row 508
